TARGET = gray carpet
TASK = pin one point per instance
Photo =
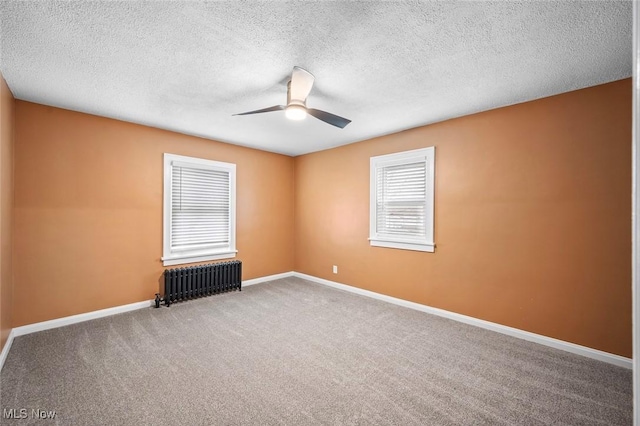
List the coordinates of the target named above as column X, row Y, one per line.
column 294, row 352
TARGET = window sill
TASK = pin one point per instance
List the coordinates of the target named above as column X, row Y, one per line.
column 429, row 247
column 186, row 258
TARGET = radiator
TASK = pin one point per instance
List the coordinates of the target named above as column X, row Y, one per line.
column 198, row 281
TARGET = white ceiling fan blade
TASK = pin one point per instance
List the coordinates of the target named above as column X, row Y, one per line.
column 301, row 84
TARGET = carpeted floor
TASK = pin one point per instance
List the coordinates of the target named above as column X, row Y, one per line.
column 294, row 352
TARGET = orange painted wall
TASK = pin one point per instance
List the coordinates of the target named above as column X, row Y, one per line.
column 532, row 220
column 88, row 210
column 7, row 104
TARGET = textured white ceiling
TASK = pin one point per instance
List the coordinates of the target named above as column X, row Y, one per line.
column 388, row 66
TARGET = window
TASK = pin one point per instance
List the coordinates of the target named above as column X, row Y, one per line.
column 199, row 210
column 401, row 209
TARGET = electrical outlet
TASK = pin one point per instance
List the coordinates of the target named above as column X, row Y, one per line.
column 335, row 269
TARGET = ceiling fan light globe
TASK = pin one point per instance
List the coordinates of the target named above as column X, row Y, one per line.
column 295, row 112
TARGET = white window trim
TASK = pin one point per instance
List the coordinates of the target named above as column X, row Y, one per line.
column 174, row 258
column 425, row 244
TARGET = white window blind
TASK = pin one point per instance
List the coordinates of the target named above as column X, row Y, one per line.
column 401, row 200
column 402, row 195
column 199, row 210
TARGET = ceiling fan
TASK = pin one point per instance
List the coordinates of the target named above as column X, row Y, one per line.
column 298, row 90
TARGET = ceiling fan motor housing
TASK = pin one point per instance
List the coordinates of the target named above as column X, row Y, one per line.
column 290, row 101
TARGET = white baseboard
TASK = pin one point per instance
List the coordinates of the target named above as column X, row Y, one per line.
column 61, row 322
column 267, row 278
column 514, row 332
column 6, row 348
